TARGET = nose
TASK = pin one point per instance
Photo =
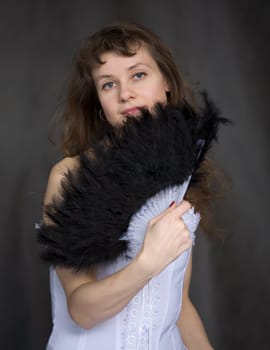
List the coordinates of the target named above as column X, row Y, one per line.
column 126, row 92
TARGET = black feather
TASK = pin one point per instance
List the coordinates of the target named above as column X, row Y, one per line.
column 117, row 175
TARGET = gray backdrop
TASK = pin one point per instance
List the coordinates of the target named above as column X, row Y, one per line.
column 224, row 46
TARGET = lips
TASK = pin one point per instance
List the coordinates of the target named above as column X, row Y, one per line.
column 132, row 111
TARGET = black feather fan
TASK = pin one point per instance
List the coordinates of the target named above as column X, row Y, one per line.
column 117, row 175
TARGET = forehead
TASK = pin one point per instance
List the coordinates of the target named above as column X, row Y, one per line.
column 114, row 61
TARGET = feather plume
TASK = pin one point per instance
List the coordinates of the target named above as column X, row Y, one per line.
column 117, row 175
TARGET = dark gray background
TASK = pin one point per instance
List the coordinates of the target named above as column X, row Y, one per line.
column 224, row 46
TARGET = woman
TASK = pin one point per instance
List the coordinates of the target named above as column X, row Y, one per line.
column 138, row 300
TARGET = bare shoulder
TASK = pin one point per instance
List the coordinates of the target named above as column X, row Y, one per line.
column 64, row 165
column 56, row 176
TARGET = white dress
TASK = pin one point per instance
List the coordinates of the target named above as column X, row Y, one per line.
column 148, row 322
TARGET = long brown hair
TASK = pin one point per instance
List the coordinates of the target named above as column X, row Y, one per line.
column 81, row 117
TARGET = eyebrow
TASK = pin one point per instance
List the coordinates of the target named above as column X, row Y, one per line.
column 108, row 76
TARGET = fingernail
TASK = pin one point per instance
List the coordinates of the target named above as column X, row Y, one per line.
column 172, row 203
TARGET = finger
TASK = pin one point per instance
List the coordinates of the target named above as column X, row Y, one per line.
column 170, row 208
column 181, row 225
column 175, row 211
column 185, row 234
column 186, row 245
column 180, row 209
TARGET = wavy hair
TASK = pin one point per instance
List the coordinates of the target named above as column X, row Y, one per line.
column 80, row 115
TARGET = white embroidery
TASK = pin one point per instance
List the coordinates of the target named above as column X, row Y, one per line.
column 140, row 316
column 143, row 313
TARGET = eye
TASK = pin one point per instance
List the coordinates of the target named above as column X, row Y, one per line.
column 139, row 75
column 108, row 86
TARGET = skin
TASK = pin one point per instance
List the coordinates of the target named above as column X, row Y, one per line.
column 123, row 83
column 126, row 82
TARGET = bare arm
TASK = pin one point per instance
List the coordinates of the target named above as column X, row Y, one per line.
column 189, row 323
column 91, row 301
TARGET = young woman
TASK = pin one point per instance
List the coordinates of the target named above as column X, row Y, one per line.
column 105, row 296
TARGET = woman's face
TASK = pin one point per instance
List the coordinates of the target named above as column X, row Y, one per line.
column 127, row 84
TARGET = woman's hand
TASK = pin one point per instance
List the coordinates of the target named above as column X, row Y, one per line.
column 166, row 238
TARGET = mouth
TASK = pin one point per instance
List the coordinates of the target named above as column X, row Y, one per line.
column 132, row 111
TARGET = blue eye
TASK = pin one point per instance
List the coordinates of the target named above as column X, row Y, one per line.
column 108, row 86
column 139, row 75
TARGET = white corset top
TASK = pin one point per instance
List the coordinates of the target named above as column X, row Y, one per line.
column 148, row 322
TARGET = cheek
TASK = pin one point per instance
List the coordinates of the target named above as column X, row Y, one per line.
column 110, row 110
column 106, row 104
column 157, row 95
column 163, row 95
column 159, row 90
column 109, row 113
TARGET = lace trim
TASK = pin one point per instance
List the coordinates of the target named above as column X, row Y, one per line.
column 143, row 313
column 140, row 317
